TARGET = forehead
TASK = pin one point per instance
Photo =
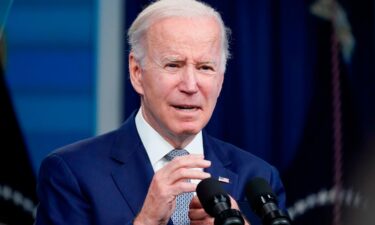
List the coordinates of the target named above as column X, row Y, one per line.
column 184, row 35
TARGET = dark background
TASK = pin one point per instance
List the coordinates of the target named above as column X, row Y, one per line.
column 277, row 99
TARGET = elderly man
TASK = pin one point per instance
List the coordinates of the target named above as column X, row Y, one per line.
column 138, row 173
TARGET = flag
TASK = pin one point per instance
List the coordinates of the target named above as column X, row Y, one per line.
column 224, row 180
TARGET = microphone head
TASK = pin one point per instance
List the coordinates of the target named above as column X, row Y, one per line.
column 264, row 203
column 210, row 193
column 257, row 188
column 216, row 203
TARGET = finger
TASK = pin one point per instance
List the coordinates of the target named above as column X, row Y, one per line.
column 197, row 214
column 195, row 203
column 196, row 211
column 164, row 183
column 188, row 161
column 182, row 187
column 183, row 174
column 234, row 203
column 206, row 221
column 202, row 222
column 235, row 206
column 164, row 174
column 175, row 184
column 195, row 162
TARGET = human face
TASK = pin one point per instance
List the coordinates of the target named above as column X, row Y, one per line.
column 181, row 78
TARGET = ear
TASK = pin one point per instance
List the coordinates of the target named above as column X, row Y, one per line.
column 135, row 71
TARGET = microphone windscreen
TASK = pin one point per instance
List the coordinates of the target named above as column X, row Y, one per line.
column 208, row 189
column 258, row 187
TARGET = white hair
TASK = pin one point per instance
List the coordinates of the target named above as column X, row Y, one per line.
column 161, row 9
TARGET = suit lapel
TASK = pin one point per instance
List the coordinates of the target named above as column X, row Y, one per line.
column 220, row 165
column 134, row 172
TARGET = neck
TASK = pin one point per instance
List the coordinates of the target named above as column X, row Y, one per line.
column 179, row 142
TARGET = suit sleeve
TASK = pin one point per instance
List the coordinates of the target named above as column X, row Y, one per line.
column 61, row 201
column 278, row 188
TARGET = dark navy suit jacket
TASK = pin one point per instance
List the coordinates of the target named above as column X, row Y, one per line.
column 104, row 180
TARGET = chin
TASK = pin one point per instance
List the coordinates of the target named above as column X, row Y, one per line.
column 186, row 128
column 189, row 130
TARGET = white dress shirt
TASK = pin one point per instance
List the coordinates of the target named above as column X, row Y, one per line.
column 157, row 147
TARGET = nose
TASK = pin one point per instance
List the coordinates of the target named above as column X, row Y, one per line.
column 189, row 82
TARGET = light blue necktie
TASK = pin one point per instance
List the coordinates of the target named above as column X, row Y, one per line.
column 180, row 215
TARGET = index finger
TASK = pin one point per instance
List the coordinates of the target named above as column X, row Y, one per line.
column 188, row 161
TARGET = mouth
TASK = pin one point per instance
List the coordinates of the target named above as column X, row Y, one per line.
column 186, row 108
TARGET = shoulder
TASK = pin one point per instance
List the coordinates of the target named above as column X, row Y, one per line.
column 86, row 154
column 78, row 157
column 97, row 148
column 84, row 148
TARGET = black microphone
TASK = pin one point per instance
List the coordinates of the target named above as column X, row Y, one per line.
column 216, row 203
column 264, row 203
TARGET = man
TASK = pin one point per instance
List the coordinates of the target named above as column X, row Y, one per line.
column 177, row 62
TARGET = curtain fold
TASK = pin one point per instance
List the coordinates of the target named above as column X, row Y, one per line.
column 276, row 100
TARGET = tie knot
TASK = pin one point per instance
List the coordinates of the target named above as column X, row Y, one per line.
column 175, row 153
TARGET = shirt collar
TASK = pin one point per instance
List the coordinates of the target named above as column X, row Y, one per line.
column 156, row 146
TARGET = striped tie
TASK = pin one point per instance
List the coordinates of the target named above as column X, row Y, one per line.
column 180, row 215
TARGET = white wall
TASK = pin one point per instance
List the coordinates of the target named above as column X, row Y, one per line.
column 109, row 58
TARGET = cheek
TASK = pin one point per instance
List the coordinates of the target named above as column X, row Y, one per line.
column 155, row 87
column 210, row 97
column 215, row 89
column 159, row 93
column 220, row 84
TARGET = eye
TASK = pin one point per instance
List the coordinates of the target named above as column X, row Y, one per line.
column 205, row 67
column 172, row 65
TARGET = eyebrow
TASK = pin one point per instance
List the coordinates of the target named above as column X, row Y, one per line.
column 207, row 62
column 172, row 59
column 179, row 59
column 212, row 63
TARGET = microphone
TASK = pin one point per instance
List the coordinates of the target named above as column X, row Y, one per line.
column 216, row 203
column 264, row 203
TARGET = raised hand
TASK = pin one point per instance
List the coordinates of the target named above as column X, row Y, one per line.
column 166, row 184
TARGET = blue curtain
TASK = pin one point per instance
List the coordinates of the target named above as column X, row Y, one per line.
column 276, row 99
column 267, row 86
